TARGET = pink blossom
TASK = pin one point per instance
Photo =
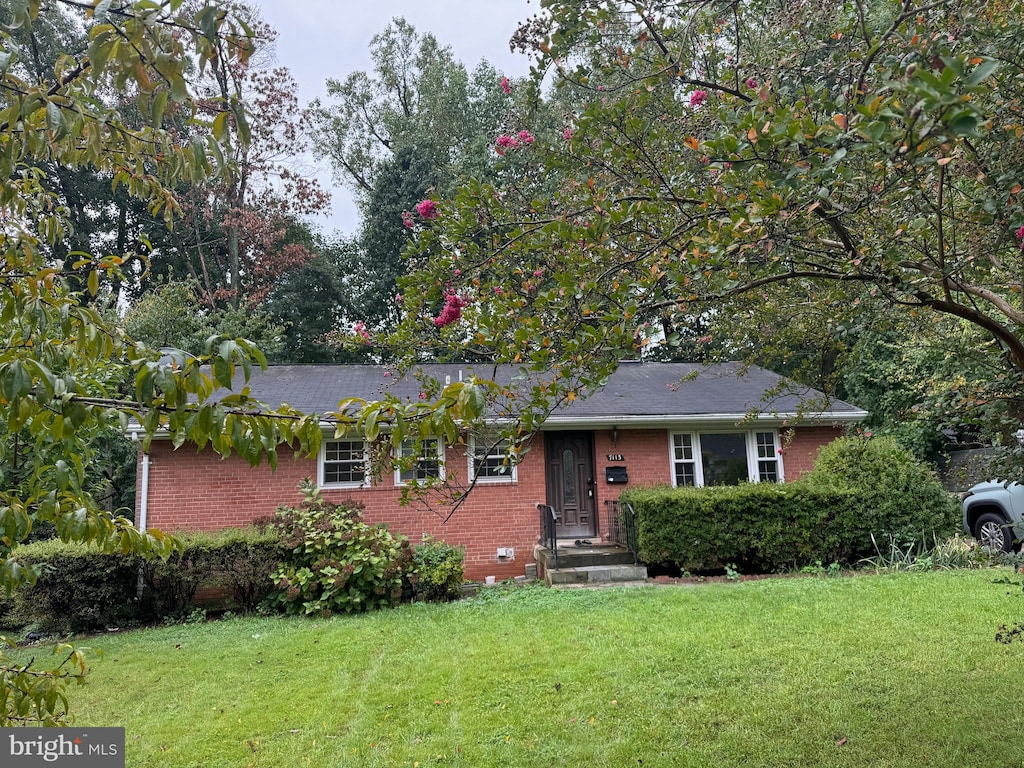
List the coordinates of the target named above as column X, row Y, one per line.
column 506, row 142
column 453, row 304
column 1020, row 236
column 360, row 330
column 398, row 298
column 567, row 134
column 407, row 219
column 526, row 137
column 751, row 82
column 505, row 86
column 427, row 209
column 497, row 290
column 697, row 98
column 538, row 273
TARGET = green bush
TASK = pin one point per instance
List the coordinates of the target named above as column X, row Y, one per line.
column 238, row 561
column 78, row 590
column 81, row 590
column 858, row 488
column 336, row 562
column 898, row 497
column 438, row 570
column 756, row 527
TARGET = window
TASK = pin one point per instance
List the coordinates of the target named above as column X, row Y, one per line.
column 725, row 458
column 767, row 457
column 684, row 469
column 429, row 463
column 343, row 463
column 488, row 461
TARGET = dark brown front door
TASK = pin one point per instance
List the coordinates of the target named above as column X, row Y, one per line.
column 570, row 482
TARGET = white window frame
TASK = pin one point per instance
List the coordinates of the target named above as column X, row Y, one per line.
column 756, row 453
column 322, row 463
column 437, row 456
column 511, row 476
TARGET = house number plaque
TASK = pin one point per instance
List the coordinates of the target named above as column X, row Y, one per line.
column 614, row 457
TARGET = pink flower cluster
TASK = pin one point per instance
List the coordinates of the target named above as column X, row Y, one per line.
column 1020, row 236
column 751, row 82
column 360, row 330
column 511, row 142
column 453, row 304
column 427, row 209
column 698, row 97
column 505, row 85
column 407, row 220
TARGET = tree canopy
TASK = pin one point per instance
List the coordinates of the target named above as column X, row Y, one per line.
column 749, row 167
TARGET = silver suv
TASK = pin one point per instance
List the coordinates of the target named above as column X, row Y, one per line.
column 994, row 514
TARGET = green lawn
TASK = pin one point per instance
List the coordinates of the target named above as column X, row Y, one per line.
column 864, row 671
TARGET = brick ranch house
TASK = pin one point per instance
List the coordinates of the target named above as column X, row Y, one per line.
column 652, row 423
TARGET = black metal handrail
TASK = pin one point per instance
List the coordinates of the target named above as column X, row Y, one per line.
column 548, row 534
column 622, row 526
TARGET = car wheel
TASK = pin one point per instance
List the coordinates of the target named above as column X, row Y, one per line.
column 992, row 531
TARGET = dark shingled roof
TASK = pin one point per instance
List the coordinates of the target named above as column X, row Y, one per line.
column 634, row 393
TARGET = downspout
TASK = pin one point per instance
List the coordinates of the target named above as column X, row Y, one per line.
column 144, row 495
column 140, row 516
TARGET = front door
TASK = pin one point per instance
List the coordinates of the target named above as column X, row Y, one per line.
column 570, row 482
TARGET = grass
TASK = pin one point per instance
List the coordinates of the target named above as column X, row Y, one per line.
column 897, row 670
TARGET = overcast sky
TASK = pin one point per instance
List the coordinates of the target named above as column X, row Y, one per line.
column 321, row 39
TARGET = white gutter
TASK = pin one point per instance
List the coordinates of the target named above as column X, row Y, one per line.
column 738, row 419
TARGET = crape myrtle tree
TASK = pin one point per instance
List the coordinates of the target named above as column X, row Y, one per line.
column 749, row 167
column 66, row 374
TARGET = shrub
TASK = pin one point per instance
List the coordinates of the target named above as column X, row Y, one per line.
column 79, row 589
column 859, row 489
column 897, row 495
column 236, row 560
column 335, row 561
column 754, row 527
column 438, row 570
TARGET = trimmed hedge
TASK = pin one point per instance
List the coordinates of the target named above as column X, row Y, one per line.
column 860, row 487
column 80, row 589
column 238, row 561
column 757, row 528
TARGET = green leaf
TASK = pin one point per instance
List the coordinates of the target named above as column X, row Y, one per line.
column 964, row 123
column 982, row 72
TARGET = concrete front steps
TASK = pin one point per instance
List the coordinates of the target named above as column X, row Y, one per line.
column 593, row 565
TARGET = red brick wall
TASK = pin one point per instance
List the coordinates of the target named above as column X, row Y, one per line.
column 800, row 452
column 190, row 490
column 199, row 490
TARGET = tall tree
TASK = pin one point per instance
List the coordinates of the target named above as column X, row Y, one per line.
column 234, row 237
column 417, row 125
